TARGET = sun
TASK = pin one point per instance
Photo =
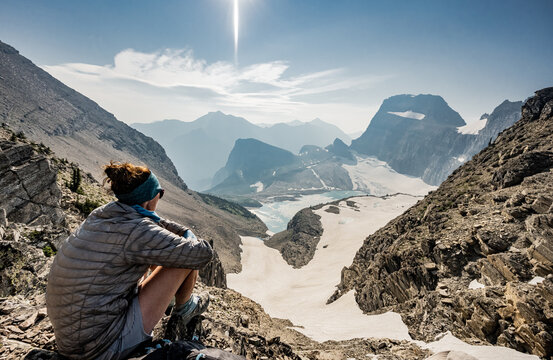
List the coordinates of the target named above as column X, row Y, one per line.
column 236, row 22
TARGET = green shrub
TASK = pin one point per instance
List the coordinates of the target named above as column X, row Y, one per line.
column 226, row 205
column 35, row 235
column 87, row 206
column 48, row 251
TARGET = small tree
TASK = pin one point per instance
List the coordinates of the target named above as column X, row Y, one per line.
column 75, row 180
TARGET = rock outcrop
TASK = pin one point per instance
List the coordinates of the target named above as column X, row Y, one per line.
column 298, row 242
column 475, row 256
column 213, row 274
column 28, row 190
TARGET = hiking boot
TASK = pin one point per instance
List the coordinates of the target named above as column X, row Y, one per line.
column 183, row 314
column 186, row 313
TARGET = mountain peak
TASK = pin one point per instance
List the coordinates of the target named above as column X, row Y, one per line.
column 426, row 107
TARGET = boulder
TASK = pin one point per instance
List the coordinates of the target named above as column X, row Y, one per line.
column 29, row 193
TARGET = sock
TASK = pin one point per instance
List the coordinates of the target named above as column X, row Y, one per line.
column 187, row 307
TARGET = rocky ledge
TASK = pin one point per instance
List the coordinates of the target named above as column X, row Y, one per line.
column 233, row 323
column 475, row 256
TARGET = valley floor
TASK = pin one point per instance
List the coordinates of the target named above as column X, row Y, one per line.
column 300, row 295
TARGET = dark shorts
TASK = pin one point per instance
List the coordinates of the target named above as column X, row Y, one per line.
column 131, row 337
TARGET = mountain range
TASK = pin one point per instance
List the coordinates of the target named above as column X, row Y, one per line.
column 201, row 147
column 417, row 136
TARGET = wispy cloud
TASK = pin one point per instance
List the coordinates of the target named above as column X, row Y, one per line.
column 144, row 87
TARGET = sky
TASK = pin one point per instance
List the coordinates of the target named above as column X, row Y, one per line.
column 146, row 61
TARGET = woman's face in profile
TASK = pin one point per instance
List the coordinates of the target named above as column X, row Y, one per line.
column 152, row 204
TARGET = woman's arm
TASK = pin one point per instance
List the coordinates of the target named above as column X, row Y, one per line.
column 152, row 244
column 173, row 227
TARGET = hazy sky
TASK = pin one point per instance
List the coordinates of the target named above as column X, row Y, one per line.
column 297, row 59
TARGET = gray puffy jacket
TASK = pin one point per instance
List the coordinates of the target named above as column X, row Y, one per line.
column 96, row 270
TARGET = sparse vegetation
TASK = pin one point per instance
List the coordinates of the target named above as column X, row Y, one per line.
column 35, row 235
column 42, row 149
column 87, row 206
column 49, row 251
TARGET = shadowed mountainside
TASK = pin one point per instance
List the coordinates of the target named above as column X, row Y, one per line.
column 422, row 136
column 205, row 143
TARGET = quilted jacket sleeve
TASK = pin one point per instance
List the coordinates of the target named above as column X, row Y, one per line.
column 173, row 227
column 152, row 244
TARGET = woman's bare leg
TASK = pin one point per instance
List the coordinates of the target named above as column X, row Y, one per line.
column 157, row 290
column 185, row 290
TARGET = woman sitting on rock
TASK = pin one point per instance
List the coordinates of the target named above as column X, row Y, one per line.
column 98, row 307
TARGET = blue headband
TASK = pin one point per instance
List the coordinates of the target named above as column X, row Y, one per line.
column 144, row 192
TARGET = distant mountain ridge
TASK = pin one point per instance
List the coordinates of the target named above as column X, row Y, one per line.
column 418, row 135
column 201, row 147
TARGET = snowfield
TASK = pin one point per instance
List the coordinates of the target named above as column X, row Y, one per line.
column 408, row 114
column 378, row 178
column 472, row 127
column 301, row 294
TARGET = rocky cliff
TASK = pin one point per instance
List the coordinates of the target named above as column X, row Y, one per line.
column 411, row 132
column 475, row 256
column 502, row 117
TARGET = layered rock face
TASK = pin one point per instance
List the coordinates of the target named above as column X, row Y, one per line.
column 28, row 190
column 476, row 256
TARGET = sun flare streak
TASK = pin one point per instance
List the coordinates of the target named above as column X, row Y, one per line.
column 236, row 18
